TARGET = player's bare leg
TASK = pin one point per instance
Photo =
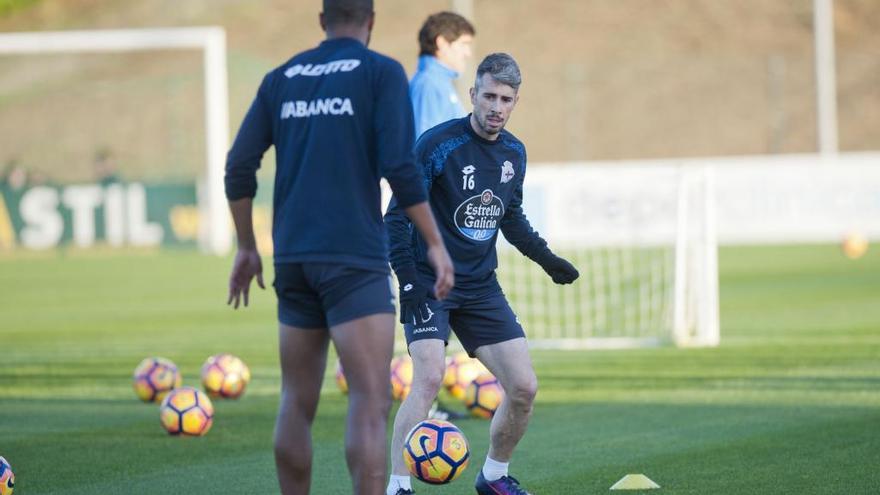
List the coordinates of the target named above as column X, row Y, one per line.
column 509, row 361
column 303, row 360
column 365, row 346
column 429, row 364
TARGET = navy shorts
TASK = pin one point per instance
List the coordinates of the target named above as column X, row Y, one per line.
column 477, row 320
column 321, row 295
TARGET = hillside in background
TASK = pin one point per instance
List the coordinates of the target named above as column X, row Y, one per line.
column 603, row 79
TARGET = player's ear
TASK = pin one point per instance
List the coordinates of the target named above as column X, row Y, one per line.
column 441, row 43
column 371, row 21
column 321, row 21
column 473, row 93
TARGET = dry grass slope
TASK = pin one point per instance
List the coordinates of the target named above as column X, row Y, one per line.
column 603, row 79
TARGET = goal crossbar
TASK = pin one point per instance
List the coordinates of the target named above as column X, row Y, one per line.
column 214, row 232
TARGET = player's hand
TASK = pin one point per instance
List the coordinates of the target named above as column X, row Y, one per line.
column 413, row 296
column 246, row 266
column 561, row 271
column 442, row 264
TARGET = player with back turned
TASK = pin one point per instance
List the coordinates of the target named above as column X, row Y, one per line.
column 474, row 171
column 340, row 120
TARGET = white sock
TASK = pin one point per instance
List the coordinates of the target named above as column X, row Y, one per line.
column 493, row 469
column 396, row 483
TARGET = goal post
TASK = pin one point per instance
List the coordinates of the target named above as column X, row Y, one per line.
column 214, row 229
column 696, row 318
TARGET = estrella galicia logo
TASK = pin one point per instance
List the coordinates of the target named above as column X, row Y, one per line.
column 477, row 218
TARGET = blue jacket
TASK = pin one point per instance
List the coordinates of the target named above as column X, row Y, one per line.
column 433, row 94
column 339, row 119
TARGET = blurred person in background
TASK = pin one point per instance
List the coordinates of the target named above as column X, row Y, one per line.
column 104, row 167
column 38, row 177
column 15, row 177
column 445, row 41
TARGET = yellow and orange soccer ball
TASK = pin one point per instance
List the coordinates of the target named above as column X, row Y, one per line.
column 154, row 377
column 340, row 378
column 436, row 452
column 461, row 370
column 401, row 377
column 401, row 373
column 186, row 411
column 854, row 245
column 225, row 375
column 484, row 395
column 7, row 478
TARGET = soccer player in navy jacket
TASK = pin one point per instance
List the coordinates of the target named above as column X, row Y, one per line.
column 474, row 171
column 340, row 119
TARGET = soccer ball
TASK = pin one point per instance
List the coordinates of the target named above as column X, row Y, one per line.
column 340, row 378
column 436, row 451
column 484, row 395
column 855, row 245
column 401, row 377
column 7, row 478
column 225, row 375
column 460, row 372
column 186, row 411
column 154, row 378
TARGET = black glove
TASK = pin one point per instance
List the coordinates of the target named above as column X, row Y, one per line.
column 560, row 270
column 413, row 296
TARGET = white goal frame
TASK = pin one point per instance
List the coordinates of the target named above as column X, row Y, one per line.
column 214, row 229
column 643, row 234
column 695, row 284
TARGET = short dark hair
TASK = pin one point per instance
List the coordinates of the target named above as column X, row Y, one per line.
column 355, row 12
column 503, row 68
column 447, row 24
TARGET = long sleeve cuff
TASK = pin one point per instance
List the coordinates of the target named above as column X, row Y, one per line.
column 408, row 190
column 240, row 187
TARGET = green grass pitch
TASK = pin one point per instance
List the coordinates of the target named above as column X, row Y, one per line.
column 790, row 403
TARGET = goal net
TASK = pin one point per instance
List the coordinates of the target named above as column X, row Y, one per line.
column 113, row 137
column 643, row 239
